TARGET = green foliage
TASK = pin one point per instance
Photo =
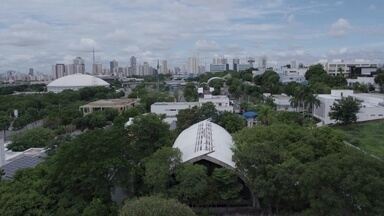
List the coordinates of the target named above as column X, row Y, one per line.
column 155, row 206
column 228, row 184
column 147, row 134
column 192, row 183
column 368, row 136
column 24, row 195
column 321, row 82
column 230, row 121
column 32, row 138
column 269, row 82
column 190, row 92
column 281, row 153
column 159, row 167
column 188, row 117
column 345, row 183
column 5, row 121
column 149, row 96
column 344, row 110
column 58, row 109
column 97, row 119
column 22, row 88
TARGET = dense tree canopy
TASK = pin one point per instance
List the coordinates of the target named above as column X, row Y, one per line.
column 155, row 206
column 32, row 138
column 281, row 163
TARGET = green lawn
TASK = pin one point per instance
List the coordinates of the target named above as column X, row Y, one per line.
column 368, row 136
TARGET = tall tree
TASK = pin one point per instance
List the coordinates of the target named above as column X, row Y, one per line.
column 190, row 92
column 344, row 110
column 159, row 168
column 192, row 183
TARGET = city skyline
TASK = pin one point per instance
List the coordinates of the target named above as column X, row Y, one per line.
column 39, row 35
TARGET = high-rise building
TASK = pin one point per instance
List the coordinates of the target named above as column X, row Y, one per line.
column 164, row 67
column 133, row 65
column 78, row 66
column 146, row 69
column 97, row 69
column 30, row 72
column 113, row 65
column 193, row 65
column 59, row 70
column 236, row 62
column 263, row 62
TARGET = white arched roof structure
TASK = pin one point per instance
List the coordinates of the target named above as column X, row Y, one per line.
column 75, row 82
column 206, row 141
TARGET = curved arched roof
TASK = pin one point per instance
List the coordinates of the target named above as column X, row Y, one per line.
column 206, row 140
column 78, row 80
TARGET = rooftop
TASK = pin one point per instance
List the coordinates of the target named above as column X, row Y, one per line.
column 111, row 102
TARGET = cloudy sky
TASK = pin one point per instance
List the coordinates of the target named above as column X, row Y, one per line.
column 39, row 33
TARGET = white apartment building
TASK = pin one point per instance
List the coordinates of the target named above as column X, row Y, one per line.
column 372, row 105
column 221, row 102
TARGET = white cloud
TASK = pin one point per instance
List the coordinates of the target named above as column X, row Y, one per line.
column 206, row 45
column 340, row 27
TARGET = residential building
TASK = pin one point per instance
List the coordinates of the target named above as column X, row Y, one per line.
column 221, row 102
column 164, row 67
column 97, row 69
column 344, row 68
column 59, row 70
column 113, row 65
column 117, row 104
column 193, row 65
column 243, row 67
column 217, row 67
column 372, row 105
column 133, row 65
column 236, row 62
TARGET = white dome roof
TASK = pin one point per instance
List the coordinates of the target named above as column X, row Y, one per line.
column 78, row 80
column 206, row 140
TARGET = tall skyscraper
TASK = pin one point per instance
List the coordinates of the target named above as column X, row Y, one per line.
column 30, row 72
column 236, row 62
column 113, row 65
column 193, row 65
column 133, row 65
column 146, row 69
column 78, row 66
column 164, row 67
column 263, row 62
column 59, row 70
column 97, row 69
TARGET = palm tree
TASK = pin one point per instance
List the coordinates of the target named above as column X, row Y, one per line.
column 265, row 115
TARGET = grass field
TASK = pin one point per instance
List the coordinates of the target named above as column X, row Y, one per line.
column 368, row 136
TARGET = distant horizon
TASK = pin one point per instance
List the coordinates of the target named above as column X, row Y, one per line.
column 42, row 33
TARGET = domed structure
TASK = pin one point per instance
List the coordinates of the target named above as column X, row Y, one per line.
column 206, row 141
column 75, row 82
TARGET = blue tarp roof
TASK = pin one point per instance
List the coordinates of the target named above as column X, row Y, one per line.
column 250, row 114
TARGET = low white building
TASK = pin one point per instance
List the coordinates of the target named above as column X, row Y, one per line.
column 282, row 102
column 372, row 105
column 221, row 102
column 171, row 109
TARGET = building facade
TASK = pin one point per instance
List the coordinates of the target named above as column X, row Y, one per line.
column 372, row 105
